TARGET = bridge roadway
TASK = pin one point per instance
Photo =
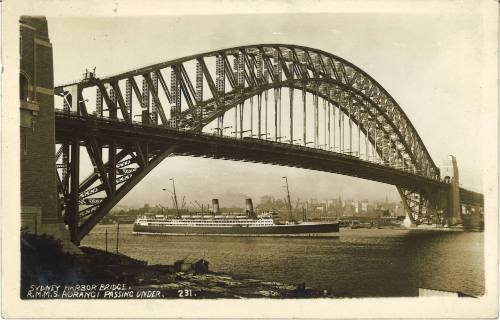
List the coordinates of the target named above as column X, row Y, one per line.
column 197, row 144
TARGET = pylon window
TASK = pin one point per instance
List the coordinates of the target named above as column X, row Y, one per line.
column 23, row 87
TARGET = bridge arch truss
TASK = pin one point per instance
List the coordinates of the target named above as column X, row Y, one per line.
column 205, row 90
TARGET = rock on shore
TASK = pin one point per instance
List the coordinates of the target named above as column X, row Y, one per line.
column 44, row 264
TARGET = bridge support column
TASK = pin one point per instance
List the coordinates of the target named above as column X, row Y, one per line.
column 265, row 117
column 449, row 173
column 316, row 120
column 236, row 122
column 241, row 119
column 291, row 114
column 251, row 117
column 304, row 115
column 325, row 126
column 279, row 115
column 329, row 126
column 341, row 131
column 334, row 127
column 73, row 208
column 275, row 114
column 350, row 129
column 259, row 111
column 112, row 164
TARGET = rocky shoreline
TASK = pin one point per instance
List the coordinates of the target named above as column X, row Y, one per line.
column 217, row 285
column 162, row 281
column 96, row 274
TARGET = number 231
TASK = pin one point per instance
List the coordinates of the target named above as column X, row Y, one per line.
column 185, row 293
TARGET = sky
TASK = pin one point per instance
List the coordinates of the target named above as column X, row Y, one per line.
column 430, row 64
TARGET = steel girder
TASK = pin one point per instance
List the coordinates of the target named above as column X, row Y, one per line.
column 220, row 86
column 304, row 65
column 364, row 115
column 425, row 205
column 127, row 162
column 84, row 203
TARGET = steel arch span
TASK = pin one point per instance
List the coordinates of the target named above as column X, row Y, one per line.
column 214, row 88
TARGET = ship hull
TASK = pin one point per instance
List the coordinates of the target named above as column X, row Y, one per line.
column 299, row 229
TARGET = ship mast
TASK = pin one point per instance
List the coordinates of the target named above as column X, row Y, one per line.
column 288, row 198
column 175, row 198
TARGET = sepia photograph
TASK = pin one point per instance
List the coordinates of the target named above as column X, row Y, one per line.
column 267, row 153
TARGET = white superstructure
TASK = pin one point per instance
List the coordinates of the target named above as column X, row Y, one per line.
column 262, row 220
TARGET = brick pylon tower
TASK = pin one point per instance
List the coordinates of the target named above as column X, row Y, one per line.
column 39, row 199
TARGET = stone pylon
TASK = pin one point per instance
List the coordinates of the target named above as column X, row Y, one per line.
column 40, row 212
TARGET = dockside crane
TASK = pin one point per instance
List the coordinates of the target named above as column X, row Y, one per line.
column 183, row 202
column 163, row 209
column 175, row 198
column 199, row 205
column 288, row 198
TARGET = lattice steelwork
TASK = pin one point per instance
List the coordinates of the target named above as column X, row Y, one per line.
column 98, row 103
column 145, row 102
column 221, row 89
column 128, row 96
column 351, row 114
column 154, row 111
column 199, row 90
column 176, row 100
column 112, row 95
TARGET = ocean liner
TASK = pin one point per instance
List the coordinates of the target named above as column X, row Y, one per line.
column 216, row 223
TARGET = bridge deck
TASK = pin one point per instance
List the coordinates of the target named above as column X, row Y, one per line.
column 247, row 149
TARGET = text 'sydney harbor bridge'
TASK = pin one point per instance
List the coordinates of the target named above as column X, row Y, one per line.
column 280, row 104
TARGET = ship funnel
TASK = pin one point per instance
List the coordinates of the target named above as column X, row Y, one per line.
column 249, row 208
column 215, row 206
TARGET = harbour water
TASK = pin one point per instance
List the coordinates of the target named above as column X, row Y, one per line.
column 358, row 263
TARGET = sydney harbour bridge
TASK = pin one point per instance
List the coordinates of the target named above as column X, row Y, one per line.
column 279, row 104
